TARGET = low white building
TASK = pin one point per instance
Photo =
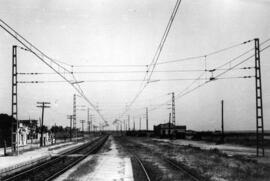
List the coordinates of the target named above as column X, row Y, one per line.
column 23, row 131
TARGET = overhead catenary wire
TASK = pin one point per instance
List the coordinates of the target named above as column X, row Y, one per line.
column 136, row 80
column 241, row 55
column 130, row 72
column 243, row 61
column 162, row 62
column 29, row 43
column 246, row 59
column 152, row 66
column 117, row 80
column 189, row 58
column 159, row 63
column 187, row 91
column 178, row 96
column 229, row 69
column 41, row 56
column 219, row 68
column 86, row 65
column 155, row 58
column 205, row 55
column 144, row 65
column 217, row 77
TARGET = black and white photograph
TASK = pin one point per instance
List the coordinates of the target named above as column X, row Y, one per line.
column 135, row 90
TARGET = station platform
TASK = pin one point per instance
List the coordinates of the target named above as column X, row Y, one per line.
column 111, row 165
column 28, row 156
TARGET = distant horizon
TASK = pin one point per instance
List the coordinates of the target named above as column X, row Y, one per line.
column 108, row 46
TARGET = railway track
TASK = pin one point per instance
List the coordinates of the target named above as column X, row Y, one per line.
column 57, row 165
column 141, row 158
column 182, row 168
column 143, row 168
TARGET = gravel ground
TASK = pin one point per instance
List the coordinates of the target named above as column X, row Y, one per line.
column 156, row 167
column 212, row 164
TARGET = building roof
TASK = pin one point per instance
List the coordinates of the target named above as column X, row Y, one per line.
column 167, row 125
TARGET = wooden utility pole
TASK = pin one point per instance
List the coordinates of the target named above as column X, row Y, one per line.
column 146, row 116
column 82, row 121
column 70, row 117
column 169, row 125
column 125, row 125
column 222, row 121
column 42, row 105
column 173, row 109
column 140, row 123
column 74, row 115
column 128, row 122
column 88, row 122
column 121, row 128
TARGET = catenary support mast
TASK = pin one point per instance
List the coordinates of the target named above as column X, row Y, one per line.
column 259, row 101
column 14, row 101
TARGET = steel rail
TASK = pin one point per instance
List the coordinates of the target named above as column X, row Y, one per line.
column 139, row 161
column 195, row 177
column 93, row 149
column 56, row 158
column 53, row 159
column 184, row 169
column 142, row 166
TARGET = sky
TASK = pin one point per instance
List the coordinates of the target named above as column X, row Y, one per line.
column 102, row 35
